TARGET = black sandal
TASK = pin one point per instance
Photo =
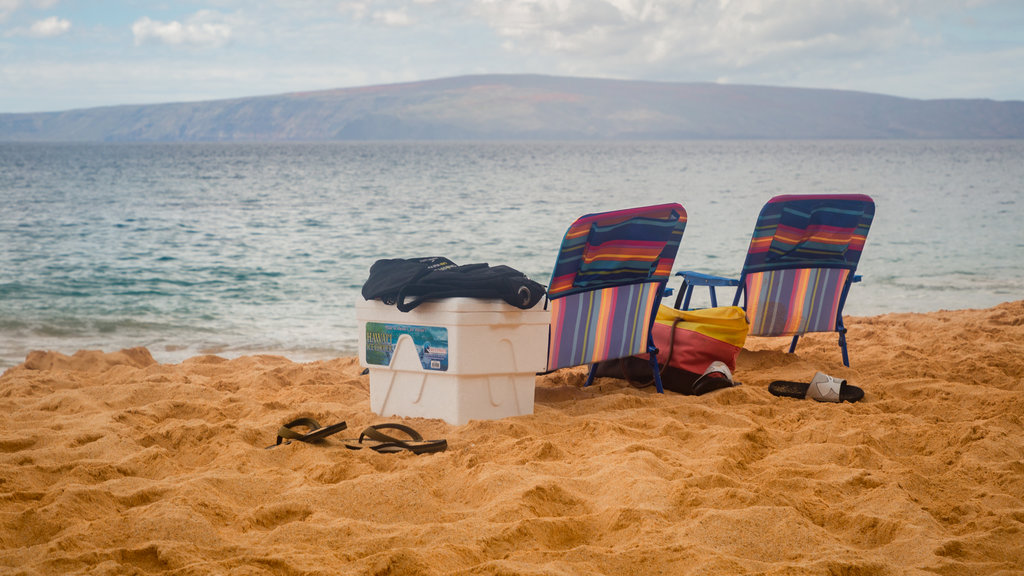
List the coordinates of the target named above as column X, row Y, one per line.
column 374, row 439
column 316, row 432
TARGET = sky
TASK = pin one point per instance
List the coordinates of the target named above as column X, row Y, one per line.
column 70, row 54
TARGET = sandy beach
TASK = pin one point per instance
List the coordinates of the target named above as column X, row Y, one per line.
column 111, row 463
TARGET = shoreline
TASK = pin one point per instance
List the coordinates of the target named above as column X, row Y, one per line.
column 113, row 463
column 178, row 353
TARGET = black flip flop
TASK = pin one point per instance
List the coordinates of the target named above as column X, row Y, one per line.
column 316, row 432
column 374, row 439
column 822, row 387
column 715, row 377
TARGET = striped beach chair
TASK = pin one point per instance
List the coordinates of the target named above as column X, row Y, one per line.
column 607, row 283
column 799, row 267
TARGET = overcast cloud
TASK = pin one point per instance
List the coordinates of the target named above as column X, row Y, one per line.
column 58, row 55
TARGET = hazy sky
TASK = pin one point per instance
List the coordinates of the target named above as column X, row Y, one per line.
column 65, row 54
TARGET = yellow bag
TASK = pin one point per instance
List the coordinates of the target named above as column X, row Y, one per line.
column 692, row 339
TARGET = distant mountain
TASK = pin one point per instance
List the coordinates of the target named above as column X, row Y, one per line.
column 529, row 107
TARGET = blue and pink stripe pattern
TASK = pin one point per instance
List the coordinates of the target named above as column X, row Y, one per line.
column 618, row 248
column 613, row 322
column 794, row 301
column 607, row 283
column 814, row 231
column 801, row 261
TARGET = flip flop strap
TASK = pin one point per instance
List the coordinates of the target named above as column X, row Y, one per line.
column 374, row 433
column 825, row 388
column 287, row 432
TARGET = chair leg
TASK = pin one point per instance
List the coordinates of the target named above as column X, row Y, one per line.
column 792, row 346
column 590, row 375
column 656, row 370
column 842, row 346
column 679, row 297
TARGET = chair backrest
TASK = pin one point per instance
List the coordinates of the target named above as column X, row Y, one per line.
column 607, row 283
column 801, row 261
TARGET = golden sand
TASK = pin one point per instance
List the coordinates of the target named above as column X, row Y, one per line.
column 111, row 463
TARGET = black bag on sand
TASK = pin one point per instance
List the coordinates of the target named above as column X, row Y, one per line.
column 434, row 279
column 637, row 371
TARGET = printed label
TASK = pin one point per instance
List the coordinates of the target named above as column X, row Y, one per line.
column 431, row 344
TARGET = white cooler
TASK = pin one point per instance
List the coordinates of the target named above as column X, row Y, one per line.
column 457, row 359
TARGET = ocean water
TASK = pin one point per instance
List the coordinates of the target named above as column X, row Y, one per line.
column 236, row 249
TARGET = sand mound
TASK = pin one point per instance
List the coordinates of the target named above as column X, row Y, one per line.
column 88, row 360
column 114, row 464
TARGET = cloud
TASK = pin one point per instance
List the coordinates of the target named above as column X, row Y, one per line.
column 380, row 12
column 392, row 18
column 8, row 7
column 205, row 28
column 49, row 27
column 357, row 10
column 655, row 36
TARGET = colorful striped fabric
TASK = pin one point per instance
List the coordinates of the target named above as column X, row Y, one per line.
column 613, row 322
column 618, row 248
column 794, row 301
column 810, row 232
column 800, row 265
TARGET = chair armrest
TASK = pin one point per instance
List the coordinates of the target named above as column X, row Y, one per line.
column 691, row 279
column 698, row 279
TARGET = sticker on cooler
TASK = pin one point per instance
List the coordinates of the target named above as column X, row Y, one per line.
column 431, row 344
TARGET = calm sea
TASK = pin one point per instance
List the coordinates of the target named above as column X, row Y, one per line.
column 235, row 249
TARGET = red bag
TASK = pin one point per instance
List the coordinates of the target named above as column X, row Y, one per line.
column 689, row 343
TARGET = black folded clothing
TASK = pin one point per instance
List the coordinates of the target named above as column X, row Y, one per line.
column 408, row 283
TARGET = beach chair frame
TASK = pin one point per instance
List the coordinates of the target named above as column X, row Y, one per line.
column 799, row 268
column 608, row 281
